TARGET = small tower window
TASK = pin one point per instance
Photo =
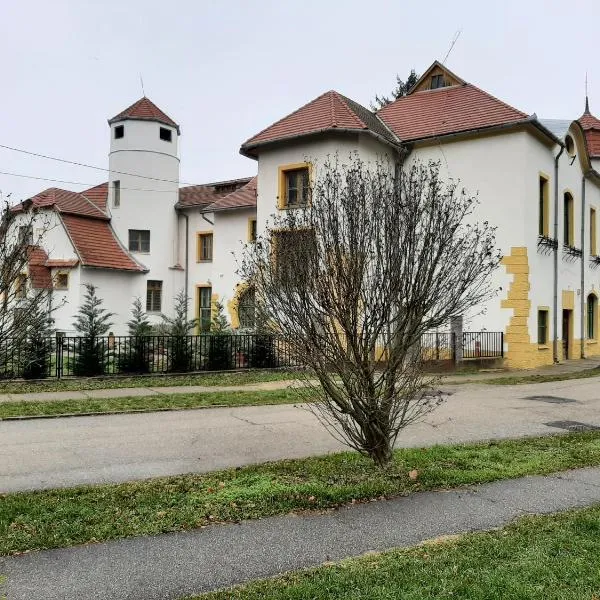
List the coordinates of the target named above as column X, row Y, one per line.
column 166, row 134
column 119, row 132
column 116, row 193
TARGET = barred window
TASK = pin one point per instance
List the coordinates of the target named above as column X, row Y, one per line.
column 154, row 296
column 205, row 308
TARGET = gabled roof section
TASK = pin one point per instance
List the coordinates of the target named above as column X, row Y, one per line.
column 447, row 110
column 98, row 195
column 68, row 203
column 97, row 245
column 437, row 68
column 331, row 111
column 200, row 196
column 244, row 197
column 144, row 110
column 591, row 130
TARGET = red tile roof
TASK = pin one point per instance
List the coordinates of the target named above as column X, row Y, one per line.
column 591, row 130
column 62, row 263
column 98, row 195
column 207, row 193
column 241, row 198
column 68, row 203
column 145, row 110
column 39, row 273
column 97, row 244
column 446, row 110
column 328, row 112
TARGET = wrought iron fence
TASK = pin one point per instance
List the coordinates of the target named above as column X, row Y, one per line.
column 114, row 355
column 483, row 344
column 437, row 346
column 127, row 355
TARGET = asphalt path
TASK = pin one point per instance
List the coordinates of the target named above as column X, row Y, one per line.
column 47, row 453
column 173, row 566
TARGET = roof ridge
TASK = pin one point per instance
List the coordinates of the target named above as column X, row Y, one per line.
column 345, row 102
column 287, row 116
column 92, row 203
column 213, row 183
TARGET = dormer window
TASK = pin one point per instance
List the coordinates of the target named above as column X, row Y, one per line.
column 165, row 134
column 119, row 132
column 437, row 81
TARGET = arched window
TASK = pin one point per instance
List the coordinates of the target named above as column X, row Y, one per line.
column 592, row 316
column 568, row 223
column 246, row 309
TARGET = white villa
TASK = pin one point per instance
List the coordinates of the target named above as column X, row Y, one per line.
column 538, row 181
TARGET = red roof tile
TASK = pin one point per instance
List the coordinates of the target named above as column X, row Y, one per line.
column 98, row 195
column 97, row 244
column 60, row 263
column 145, row 110
column 446, row 110
column 39, row 273
column 68, row 202
column 205, row 194
column 330, row 111
column 244, row 197
column 591, row 130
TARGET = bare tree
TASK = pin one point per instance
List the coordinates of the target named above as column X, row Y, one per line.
column 379, row 255
column 21, row 230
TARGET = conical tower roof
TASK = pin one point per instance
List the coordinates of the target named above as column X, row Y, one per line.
column 144, row 110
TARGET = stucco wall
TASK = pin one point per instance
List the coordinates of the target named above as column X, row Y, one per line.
column 481, row 166
column 148, row 204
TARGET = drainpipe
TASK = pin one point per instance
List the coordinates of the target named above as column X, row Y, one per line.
column 187, row 252
column 555, row 299
column 583, row 267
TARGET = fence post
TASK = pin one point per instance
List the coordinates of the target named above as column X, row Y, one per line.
column 502, row 344
column 59, row 356
column 456, row 328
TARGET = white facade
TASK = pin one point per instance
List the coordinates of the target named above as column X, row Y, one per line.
column 502, row 166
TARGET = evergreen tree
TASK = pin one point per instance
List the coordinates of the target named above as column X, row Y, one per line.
column 38, row 344
column 138, row 325
column 92, row 323
column 181, row 356
column 219, row 323
column 134, row 355
column 220, row 347
column 263, row 354
column 402, row 88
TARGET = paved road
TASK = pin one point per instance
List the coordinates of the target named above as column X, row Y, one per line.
column 45, row 453
column 171, row 566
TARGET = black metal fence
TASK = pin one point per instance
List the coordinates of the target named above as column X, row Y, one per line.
column 113, row 355
column 437, row 346
column 483, row 344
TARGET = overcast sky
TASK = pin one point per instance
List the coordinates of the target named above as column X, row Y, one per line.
column 225, row 70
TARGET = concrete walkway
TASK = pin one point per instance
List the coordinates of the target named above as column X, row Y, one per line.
column 570, row 366
column 50, row 453
column 171, row 566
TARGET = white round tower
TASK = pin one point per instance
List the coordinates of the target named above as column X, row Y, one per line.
column 143, row 191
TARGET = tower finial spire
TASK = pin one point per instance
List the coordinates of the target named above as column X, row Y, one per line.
column 587, row 102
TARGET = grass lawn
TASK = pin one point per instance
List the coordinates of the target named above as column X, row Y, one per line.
column 537, row 558
column 101, row 383
column 65, row 517
column 523, row 379
column 144, row 403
